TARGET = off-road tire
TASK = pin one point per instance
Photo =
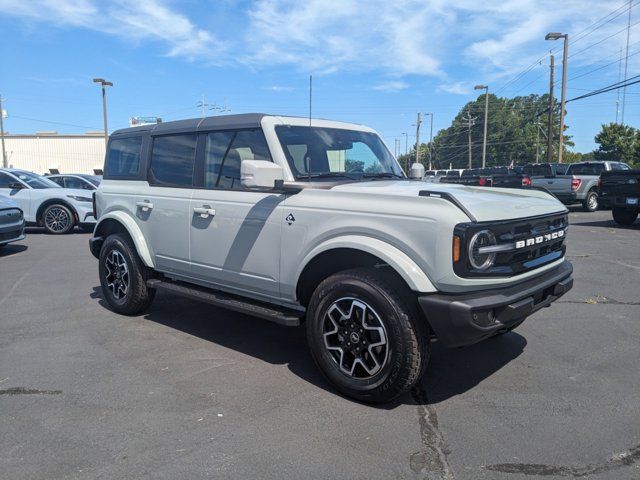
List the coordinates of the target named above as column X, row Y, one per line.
column 590, row 203
column 64, row 213
column 623, row 216
column 406, row 329
column 138, row 296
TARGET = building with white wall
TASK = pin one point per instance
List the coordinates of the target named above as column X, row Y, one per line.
column 74, row 153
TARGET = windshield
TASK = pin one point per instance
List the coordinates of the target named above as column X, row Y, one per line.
column 585, row 169
column 35, row 181
column 333, row 152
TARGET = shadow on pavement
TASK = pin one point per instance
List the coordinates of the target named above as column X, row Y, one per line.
column 450, row 372
column 12, row 249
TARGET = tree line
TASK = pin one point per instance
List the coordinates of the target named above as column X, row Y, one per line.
column 517, row 133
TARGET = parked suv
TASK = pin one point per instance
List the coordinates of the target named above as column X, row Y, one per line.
column 295, row 220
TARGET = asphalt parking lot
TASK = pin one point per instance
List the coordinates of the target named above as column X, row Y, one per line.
column 191, row 391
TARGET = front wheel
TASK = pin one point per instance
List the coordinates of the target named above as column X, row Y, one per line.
column 123, row 277
column 590, row 203
column 58, row 219
column 622, row 216
column 365, row 334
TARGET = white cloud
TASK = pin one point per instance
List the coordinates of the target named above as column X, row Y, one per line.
column 279, row 88
column 137, row 20
column 457, row 88
column 460, row 42
column 392, row 86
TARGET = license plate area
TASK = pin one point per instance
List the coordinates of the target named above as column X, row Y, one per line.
column 632, row 201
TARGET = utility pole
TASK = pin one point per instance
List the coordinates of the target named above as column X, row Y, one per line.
column 537, row 139
column 4, row 152
column 104, row 84
column 626, row 63
column 565, row 57
column 486, row 120
column 406, row 143
column 551, row 107
column 469, row 120
column 417, row 140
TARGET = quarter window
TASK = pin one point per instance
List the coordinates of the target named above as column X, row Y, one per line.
column 123, row 159
column 224, row 153
column 172, row 159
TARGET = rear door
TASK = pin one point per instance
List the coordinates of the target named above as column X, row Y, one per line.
column 163, row 207
column 235, row 232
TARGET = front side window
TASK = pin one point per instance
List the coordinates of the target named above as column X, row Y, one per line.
column 172, row 159
column 123, row 159
column 224, row 153
column 332, row 152
column 6, row 180
column 73, row 182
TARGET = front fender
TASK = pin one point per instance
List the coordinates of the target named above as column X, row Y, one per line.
column 416, row 279
column 132, row 229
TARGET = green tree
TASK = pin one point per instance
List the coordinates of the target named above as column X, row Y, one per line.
column 619, row 143
column 516, row 132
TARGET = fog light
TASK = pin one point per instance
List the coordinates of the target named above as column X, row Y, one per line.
column 484, row 318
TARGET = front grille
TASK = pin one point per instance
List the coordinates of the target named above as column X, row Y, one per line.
column 510, row 233
column 9, row 235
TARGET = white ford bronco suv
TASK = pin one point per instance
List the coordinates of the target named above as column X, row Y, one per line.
column 293, row 220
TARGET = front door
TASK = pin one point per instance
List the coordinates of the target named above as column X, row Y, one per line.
column 22, row 196
column 235, row 232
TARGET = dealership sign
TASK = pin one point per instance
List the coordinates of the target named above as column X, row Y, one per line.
column 138, row 121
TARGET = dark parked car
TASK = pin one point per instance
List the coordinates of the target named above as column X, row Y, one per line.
column 620, row 190
column 11, row 222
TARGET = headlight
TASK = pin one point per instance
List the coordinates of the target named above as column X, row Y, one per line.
column 79, row 199
column 478, row 260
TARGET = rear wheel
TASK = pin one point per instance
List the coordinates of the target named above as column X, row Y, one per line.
column 622, row 216
column 365, row 334
column 123, row 276
column 590, row 203
column 58, row 219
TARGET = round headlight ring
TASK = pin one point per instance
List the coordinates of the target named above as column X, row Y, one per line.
column 483, row 238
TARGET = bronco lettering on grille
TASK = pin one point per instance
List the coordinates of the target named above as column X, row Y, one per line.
column 539, row 239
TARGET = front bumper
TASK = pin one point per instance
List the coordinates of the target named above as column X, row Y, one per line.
column 463, row 319
column 13, row 231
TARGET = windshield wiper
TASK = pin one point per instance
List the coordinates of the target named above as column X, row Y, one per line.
column 382, row 175
column 327, row 175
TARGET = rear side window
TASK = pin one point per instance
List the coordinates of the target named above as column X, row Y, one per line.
column 538, row 170
column 585, row 169
column 123, row 159
column 172, row 159
column 58, row 180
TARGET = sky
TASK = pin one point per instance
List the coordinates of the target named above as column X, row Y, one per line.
column 375, row 62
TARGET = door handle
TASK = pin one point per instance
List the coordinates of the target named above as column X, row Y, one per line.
column 204, row 211
column 145, row 206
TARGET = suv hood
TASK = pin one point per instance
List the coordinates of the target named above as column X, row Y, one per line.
column 484, row 203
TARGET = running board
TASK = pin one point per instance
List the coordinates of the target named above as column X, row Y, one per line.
column 282, row 316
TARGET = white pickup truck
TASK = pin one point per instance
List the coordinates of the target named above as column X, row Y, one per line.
column 297, row 220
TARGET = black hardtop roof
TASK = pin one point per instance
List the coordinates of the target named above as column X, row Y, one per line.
column 242, row 120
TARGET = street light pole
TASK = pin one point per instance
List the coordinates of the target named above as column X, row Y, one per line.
column 104, row 84
column 4, row 152
column 556, row 36
column 486, row 120
column 551, row 108
column 430, row 140
column 417, row 139
column 406, row 143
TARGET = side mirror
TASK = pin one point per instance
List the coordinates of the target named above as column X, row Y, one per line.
column 260, row 174
column 16, row 186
